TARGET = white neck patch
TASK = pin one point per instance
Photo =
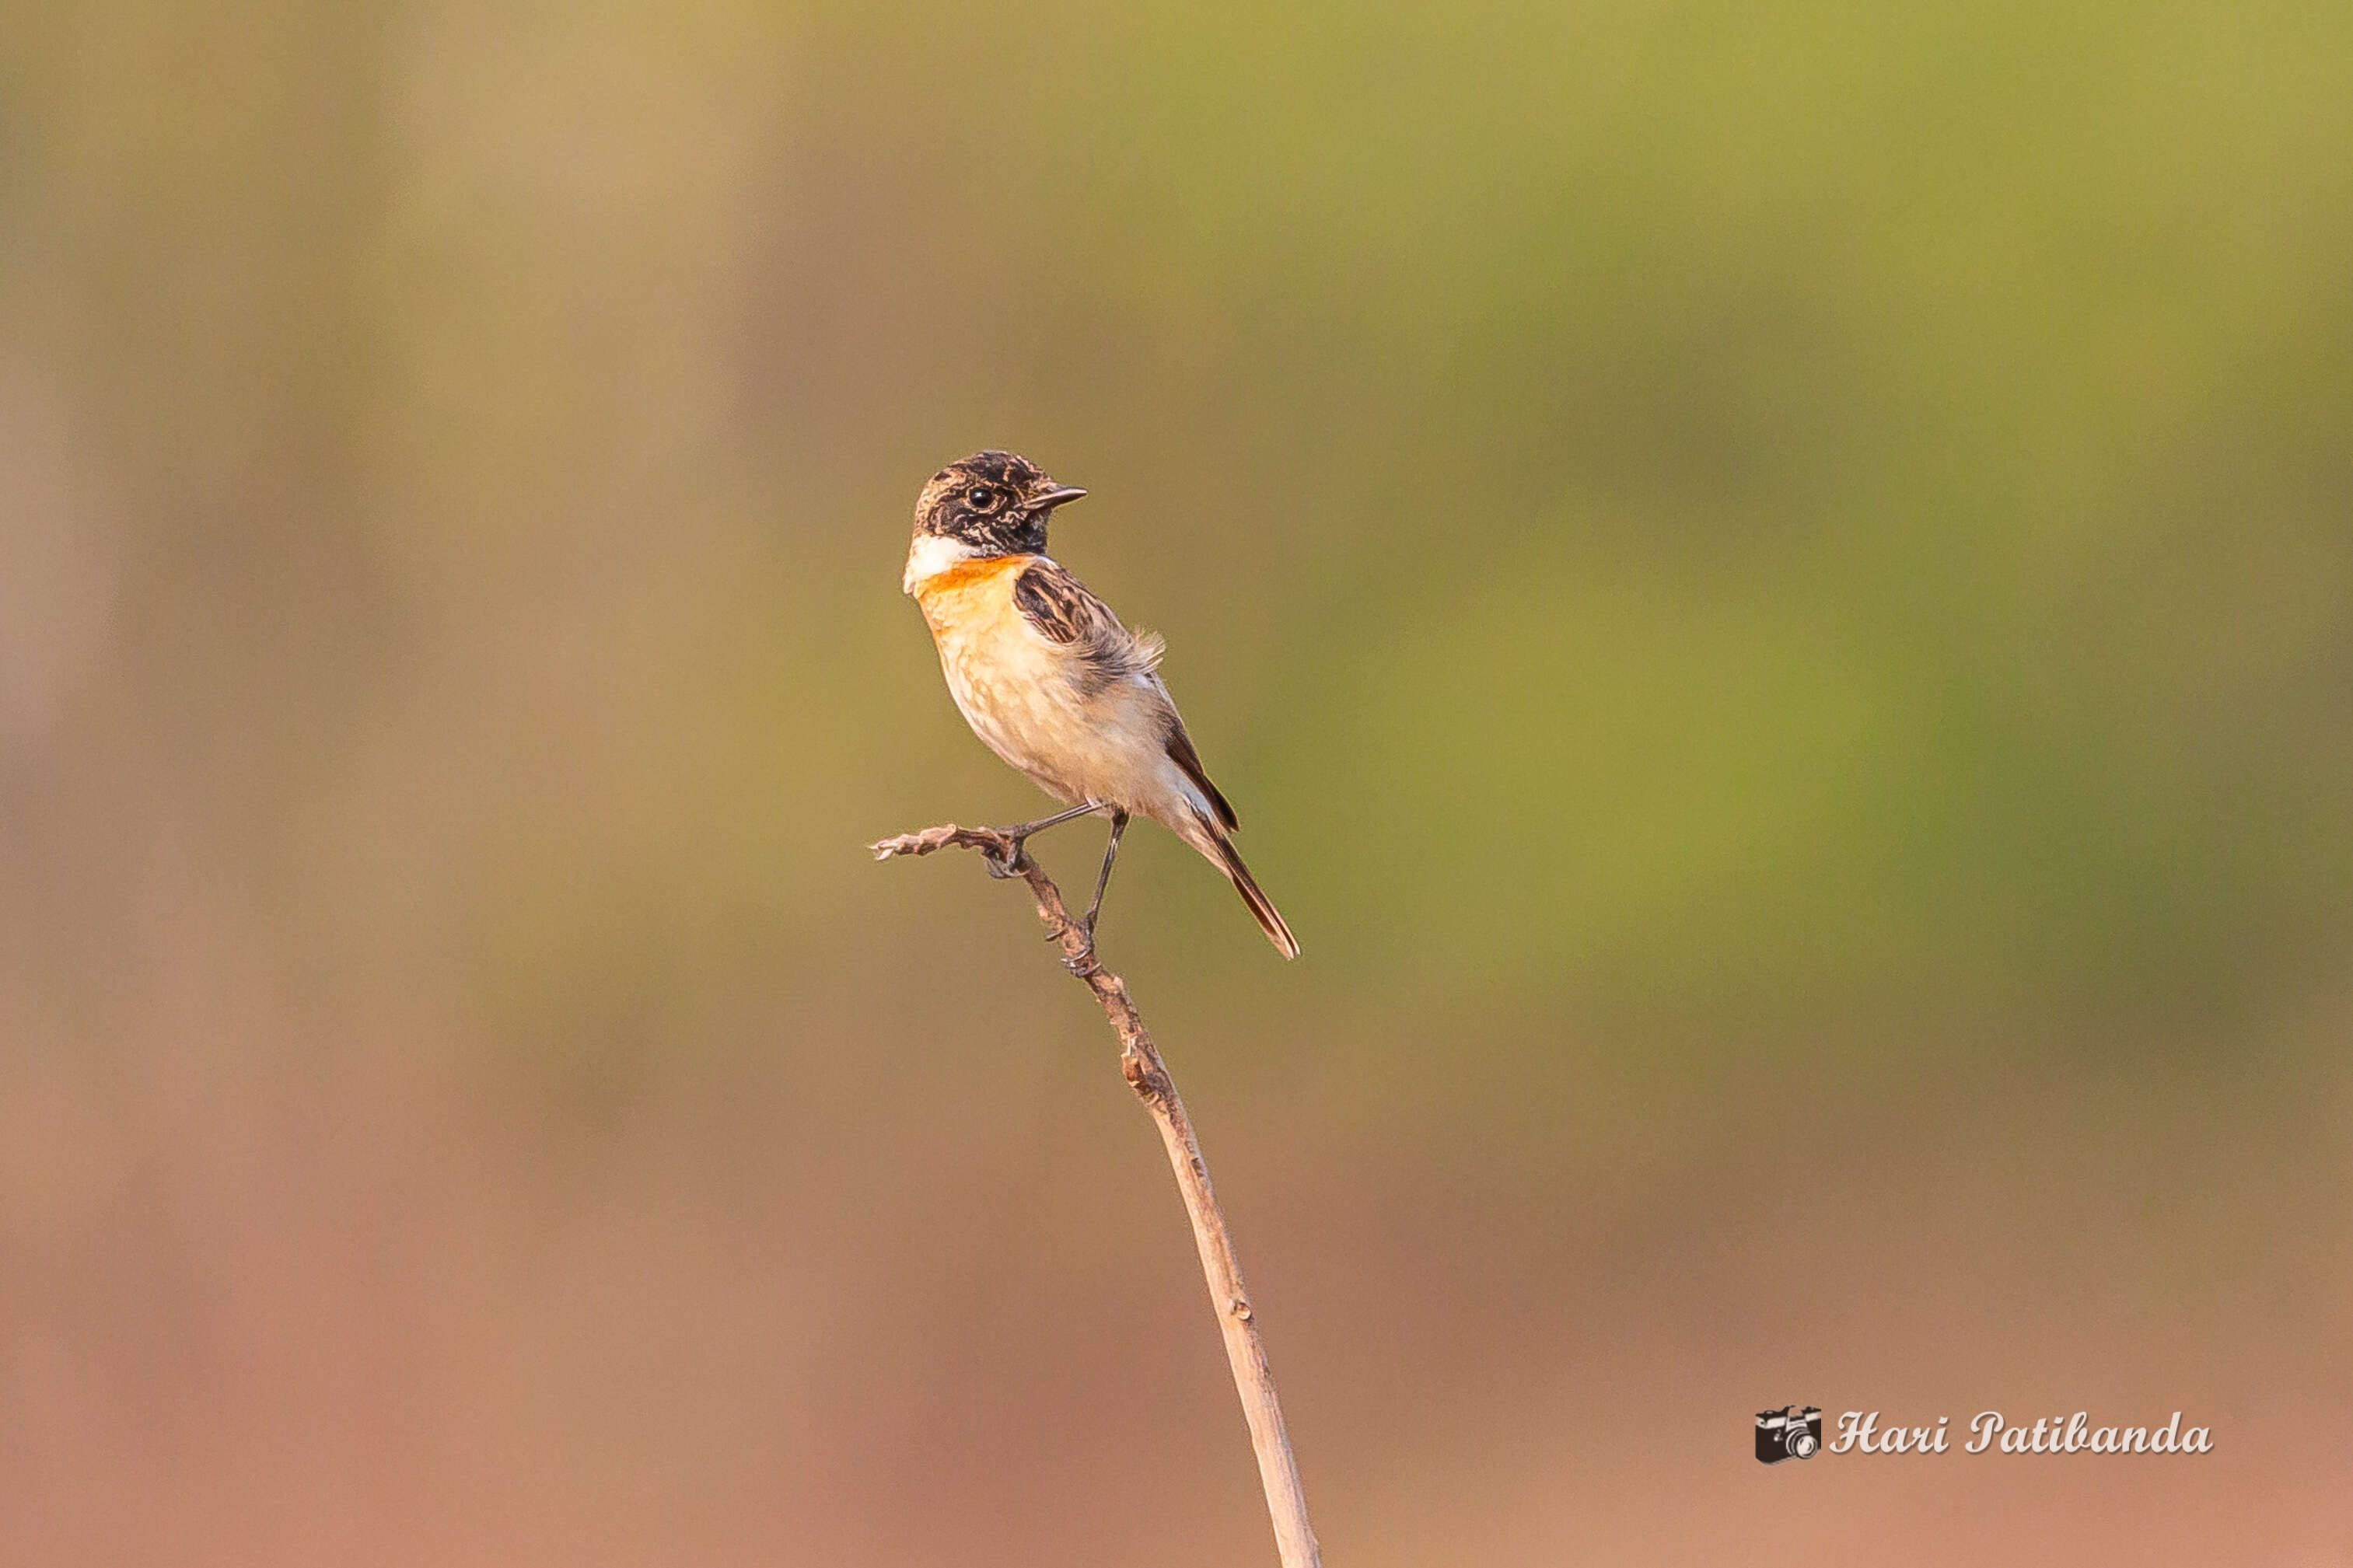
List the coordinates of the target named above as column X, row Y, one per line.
column 931, row 554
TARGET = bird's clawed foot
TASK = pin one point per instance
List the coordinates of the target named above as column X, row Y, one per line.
column 1013, row 859
column 1083, row 963
column 1085, row 923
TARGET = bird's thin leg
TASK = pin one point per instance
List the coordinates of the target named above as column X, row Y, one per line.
column 1103, row 877
column 1043, row 822
column 1018, row 836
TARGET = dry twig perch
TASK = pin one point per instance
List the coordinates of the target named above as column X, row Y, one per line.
column 1140, row 1062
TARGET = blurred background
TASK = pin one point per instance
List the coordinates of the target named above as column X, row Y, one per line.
column 1774, row 584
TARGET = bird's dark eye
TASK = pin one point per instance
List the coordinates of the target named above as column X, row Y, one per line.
column 980, row 499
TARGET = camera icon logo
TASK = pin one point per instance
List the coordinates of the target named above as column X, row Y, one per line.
column 1788, row 1433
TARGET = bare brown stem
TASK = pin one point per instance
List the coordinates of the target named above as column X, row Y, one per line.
column 1139, row 1061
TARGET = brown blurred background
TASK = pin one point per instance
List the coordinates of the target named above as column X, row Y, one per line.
column 1774, row 584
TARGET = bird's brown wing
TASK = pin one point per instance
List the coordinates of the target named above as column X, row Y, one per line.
column 1065, row 612
column 1188, row 763
column 1060, row 606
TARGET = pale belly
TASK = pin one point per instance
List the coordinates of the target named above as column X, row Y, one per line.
column 1019, row 698
column 1018, row 691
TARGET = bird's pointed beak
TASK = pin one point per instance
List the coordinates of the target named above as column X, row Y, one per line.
column 1060, row 496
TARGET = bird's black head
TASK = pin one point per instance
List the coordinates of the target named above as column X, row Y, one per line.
column 993, row 503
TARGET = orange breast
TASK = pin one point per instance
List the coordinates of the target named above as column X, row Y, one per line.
column 966, row 575
column 971, row 598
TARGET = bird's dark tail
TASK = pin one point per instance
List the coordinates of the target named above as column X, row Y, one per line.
column 1220, row 848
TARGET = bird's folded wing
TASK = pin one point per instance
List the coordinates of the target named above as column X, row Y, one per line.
column 1188, row 763
column 1061, row 609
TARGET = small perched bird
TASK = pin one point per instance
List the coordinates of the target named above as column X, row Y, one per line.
column 1048, row 679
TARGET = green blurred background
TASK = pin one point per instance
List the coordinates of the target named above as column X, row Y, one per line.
column 1774, row 585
